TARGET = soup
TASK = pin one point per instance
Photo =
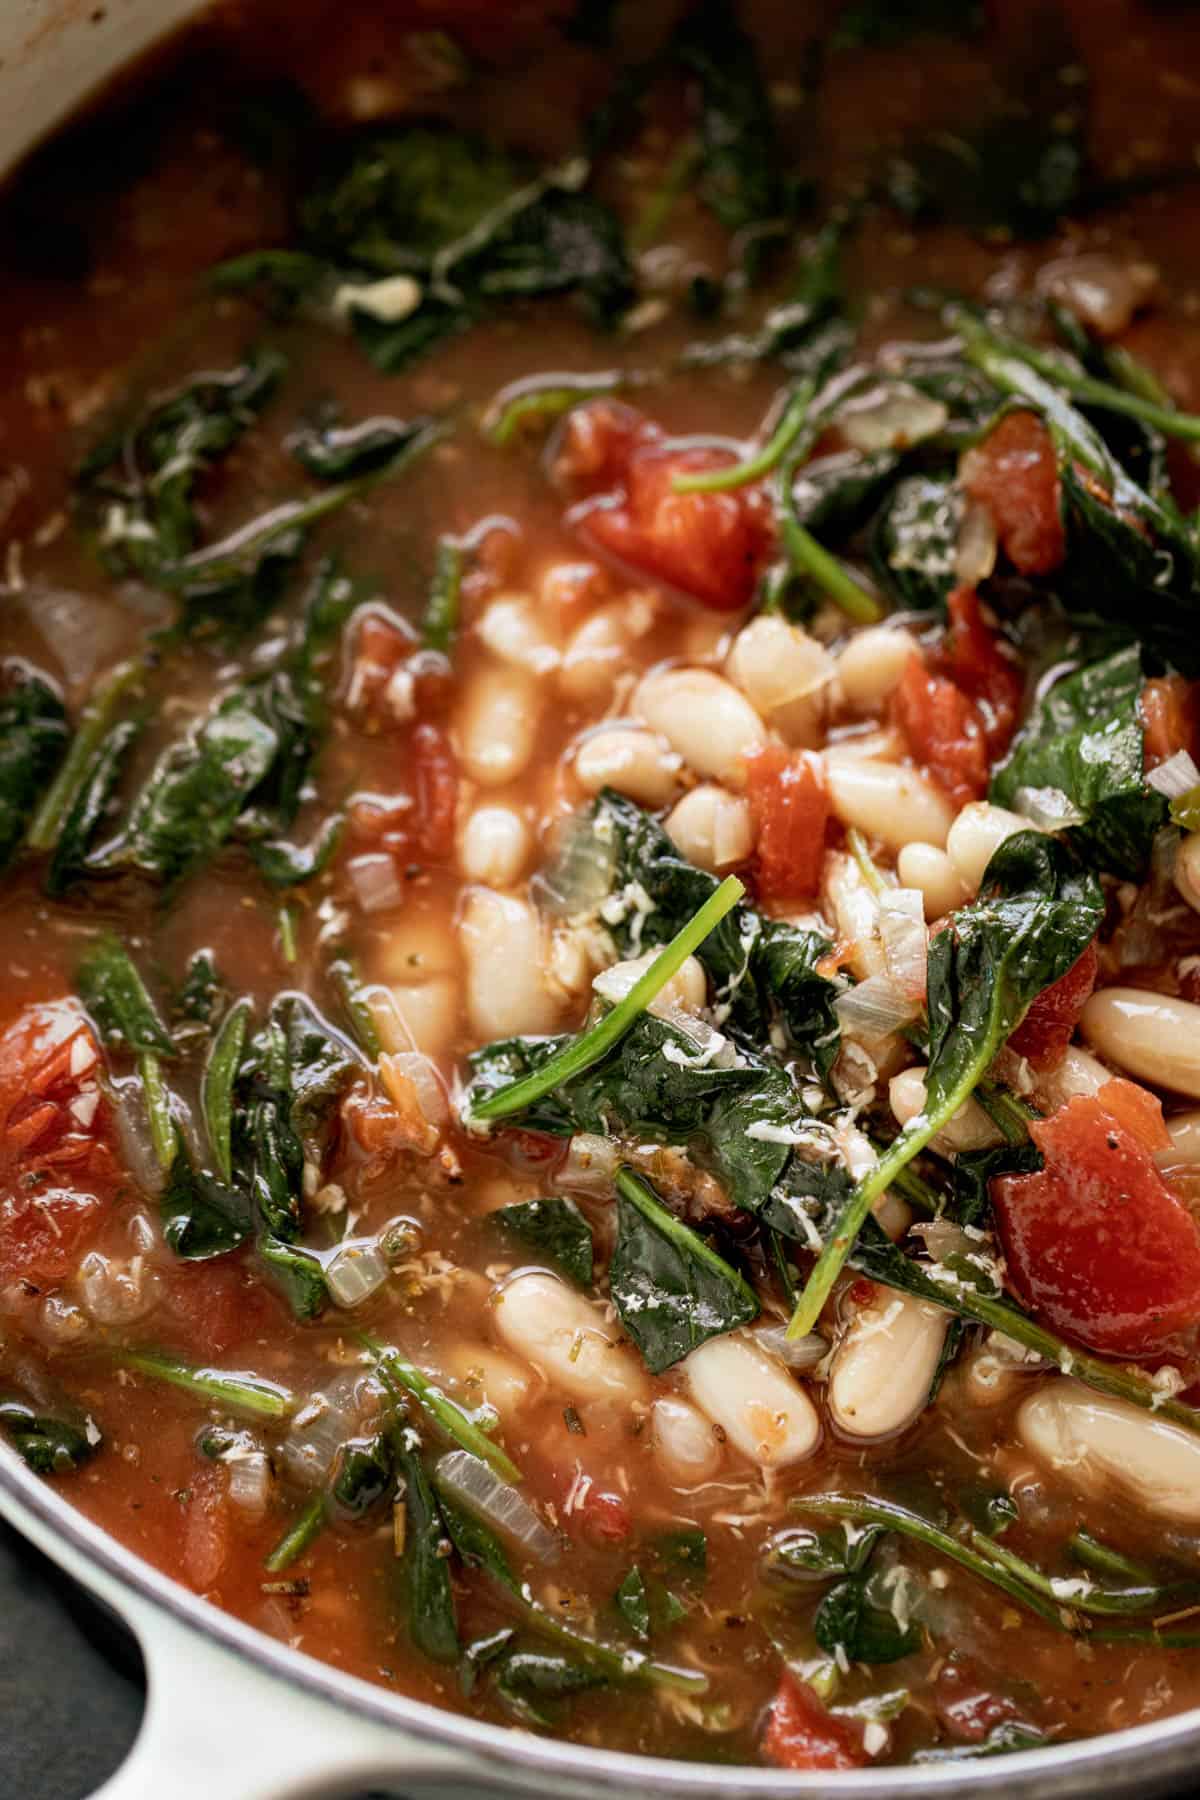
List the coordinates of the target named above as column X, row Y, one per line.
column 599, row 835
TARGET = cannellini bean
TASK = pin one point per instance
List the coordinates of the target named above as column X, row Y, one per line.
column 687, row 988
column 505, row 982
column 498, row 724
column 1079, row 1074
column 998, row 1368
column 784, row 673
column 1184, row 1133
column 711, row 827
column 762, row 1411
column 926, row 867
column 1151, row 1036
column 638, row 763
column 418, row 1015
column 417, row 945
column 871, row 664
column 884, row 1366
column 495, row 846
column 500, row 1381
column 1097, row 1443
column 887, row 801
column 594, row 657
column 566, row 1339
column 514, row 632
column 686, row 1447
column 704, row 718
column 968, row 1129
column 978, row 831
column 1186, row 873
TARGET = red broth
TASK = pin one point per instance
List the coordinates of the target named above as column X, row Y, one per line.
column 298, row 865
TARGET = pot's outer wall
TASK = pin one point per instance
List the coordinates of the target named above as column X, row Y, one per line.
column 55, row 56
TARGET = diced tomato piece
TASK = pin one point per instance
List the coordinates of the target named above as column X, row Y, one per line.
column 966, row 1705
column 1096, row 1242
column 219, row 1306
column 1049, row 1025
column 604, row 1518
column 790, row 803
column 1170, row 709
column 58, row 1169
column 801, row 1734
column 710, row 546
column 435, row 791
column 1138, row 1110
column 1014, row 474
column 974, row 660
column 205, row 1543
column 943, row 730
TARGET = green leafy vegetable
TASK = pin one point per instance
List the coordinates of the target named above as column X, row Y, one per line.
column 863, row 24
column 125, row 1016
column 49, row 1442
column 33, row 740
column 234, row 1390
column 915, row 541
column 539, row 401
column 202, row 1216
column 402, row 1377
column 304, row 1530
column 439, row 628
column 216, row 1092
column 347, row 452
column 670, row 1288
column 848, row 1621
column 78, row 797
column 556, row 1229
column 425, row 1567
column 739, row 178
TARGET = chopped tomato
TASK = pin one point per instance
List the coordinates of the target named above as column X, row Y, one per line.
column 435, row 791
column 708, row 545
column 1014, row 474
column 1096, row 1242
column 943, row 730
column 1049, row 1025
column 1138, row 1110
column 790, row 804
column 206, row 1537
column 219, row 1306
column 1170, row 709
column 801, row 1734
column 603, row 1517
column 974, row 660
column 966, row 1705
column 58, row 1170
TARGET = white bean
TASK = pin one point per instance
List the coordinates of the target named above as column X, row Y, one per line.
column 1186, row 873
column 978, row 831
column 887, row 801
column 495, row 846
column 594, row 657
column 1098, row 1444
column 1184, row 1133
column 419, row 1015
column 998, row 1369
column 565, row 1337
column 871, row 664
column 686, row 990
column 926, row 867
column 762, row 1411
column 686, row 1448
column 1151, row 1036
column 704, row 718
column 1079, row 1074
column 505, row 982
column 498, row 724
column 417, row 945
column 711, row 827
column 969, row 1128
column 491, row 1376
column 514, row 632
column 637, row 763
column 884, row 1366
column 784, row 673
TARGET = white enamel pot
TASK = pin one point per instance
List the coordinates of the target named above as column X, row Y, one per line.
column 235, row 1715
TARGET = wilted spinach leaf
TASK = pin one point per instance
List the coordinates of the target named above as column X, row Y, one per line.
column 556, row 1229
column 424, row 1567
column 50, row 1443
column 202, row 1216
column 970, row 1202
column 89, row 807
column 740, row 179
column 33, row 738
column 848, row 1621
column 334, row 452
column 119, row 1002
column 364, row 1474
column 915, row 541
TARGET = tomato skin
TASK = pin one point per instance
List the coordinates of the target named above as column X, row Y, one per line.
column 1170, row 709
column 708, row 546
column 218, row 1306
column 59, row 1173
column 943, row 730
column 973, row 659
column 435, row 791
column 1096, row 1242
column 1049, row 1025
column 206, row 1537
column 1014, row 474
column 801, row 1734
column 968, row 1708
column 790, row 804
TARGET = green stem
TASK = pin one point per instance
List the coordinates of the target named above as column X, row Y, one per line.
column 542, row 399
column 1147, row 1597
column 632, row 1188
column 588, row 1048
column 1093, row 1553
column 94, row 722
column 240, row 1392
column 806, row 555
column 216, row 1087
column 345, row 977
column 287, row 934
column 792, row 422
column 1008, row 1113
column 158, row 1109
column 861, row 853
column 649, row 226
column 304, row 1529
column 1133, row 400
column 439, row 628
column 457, row 1424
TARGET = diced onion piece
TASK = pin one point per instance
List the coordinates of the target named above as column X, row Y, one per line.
column 581, row 876
column 1175, row 777
column 892, row 415
column 318, row 1431
column 876, row 1006
column 356, row 1272
column 249, row 1480
column 975, row 552
column 467, row 1479
column 591, row 1164
column 375, row 881
column 427, row 1084
column 1047, row 808
column 797, row 1353
column 905, row 940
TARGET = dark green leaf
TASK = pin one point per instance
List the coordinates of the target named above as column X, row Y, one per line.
column 1001, row 1740
column 33, row 740
column 848, row 1622
column 740, row 180
column 557, row 1230
column 89, row 807
column 345, row 452
column 439, row 628
column 671, row 1290
column 201, row 1215
column 50, row 1443
column 683, row 1552
column 425, row 1566
column 990, row 1510
column 970, row 1204
column 915, row 541
column 1085, row 743
column 297, row 1274
column 819, row 1554
column 864, row 24
column 633, row 1603
column 364, row 1474
column 837, row 493
column 117, row 999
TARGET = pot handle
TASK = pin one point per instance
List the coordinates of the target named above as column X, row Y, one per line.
column 218, row 1727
